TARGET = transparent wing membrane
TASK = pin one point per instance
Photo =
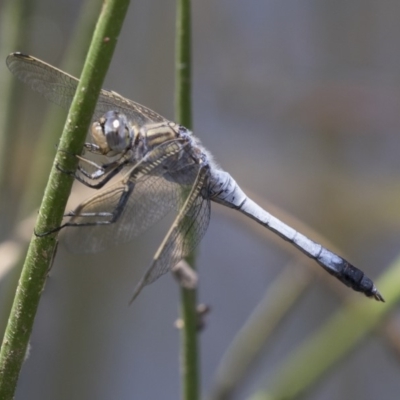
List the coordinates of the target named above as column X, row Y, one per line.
column 127, row 208
column 185, row 234
column 148, row 201
column 60, row 87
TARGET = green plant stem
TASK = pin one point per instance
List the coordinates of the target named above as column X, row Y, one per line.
column 334, row 341
column 189, row 350
column 44, row 147
column 183, row 65
column 14, row 34
column 254, row 337
column 42, row 249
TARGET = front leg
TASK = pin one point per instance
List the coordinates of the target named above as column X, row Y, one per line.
column 106, row 172
column 101, row 175
column 92, row 148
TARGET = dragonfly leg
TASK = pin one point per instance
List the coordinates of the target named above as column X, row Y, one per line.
column 92, row 148
column 101, row 218
column 43, row 234
column 112, row 216
column 99, row 168
column 101, row 175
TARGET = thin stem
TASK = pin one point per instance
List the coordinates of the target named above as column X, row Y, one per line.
column 255, row 335
column 189, row 351
column 326, row 347
column 43, row 149
column 183, row 88
column 14, row 34
column 42, row 249
column 72, row 62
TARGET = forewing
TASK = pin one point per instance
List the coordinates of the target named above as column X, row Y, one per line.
column 60, row 87
column 184, row 235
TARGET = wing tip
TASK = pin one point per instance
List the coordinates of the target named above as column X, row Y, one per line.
column 137, row 291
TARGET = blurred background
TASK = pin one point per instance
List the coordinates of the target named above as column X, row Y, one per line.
column 300, row 102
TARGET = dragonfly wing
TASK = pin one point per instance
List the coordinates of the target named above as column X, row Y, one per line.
column 150, row 199
column 125, row 209
column 60, row 87
column 186, row 232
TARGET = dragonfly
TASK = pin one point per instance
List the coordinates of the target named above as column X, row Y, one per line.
column 159, row 166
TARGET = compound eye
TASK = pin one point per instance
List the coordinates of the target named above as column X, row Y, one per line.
column 116, row 131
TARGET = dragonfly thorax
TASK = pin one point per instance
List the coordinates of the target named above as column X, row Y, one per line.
column 157, row 133
column 112, row 133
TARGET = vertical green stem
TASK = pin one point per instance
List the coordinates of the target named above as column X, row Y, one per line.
column 183, row 86
column 189, row 351
column 41, row 249
column 14, row 34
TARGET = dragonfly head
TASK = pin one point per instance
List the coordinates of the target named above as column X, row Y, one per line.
column 112, row 133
